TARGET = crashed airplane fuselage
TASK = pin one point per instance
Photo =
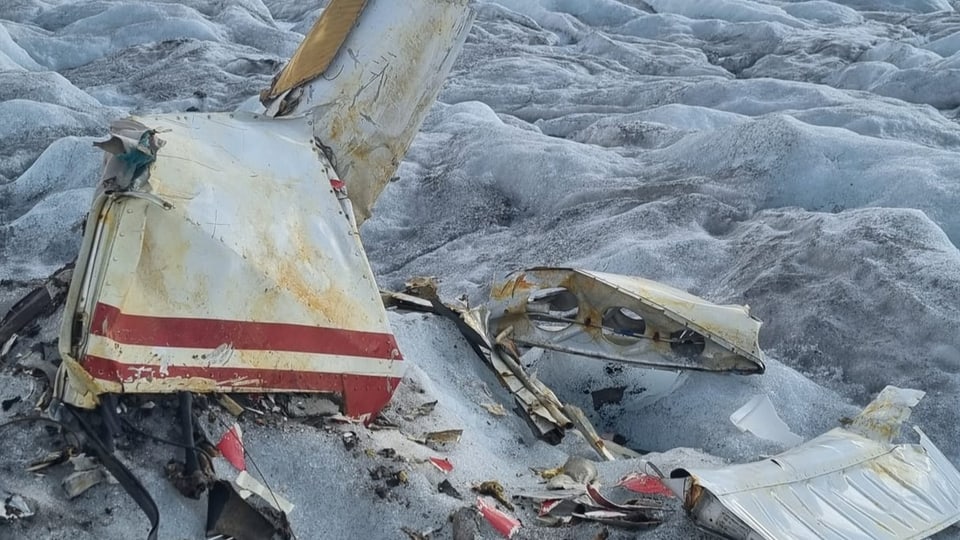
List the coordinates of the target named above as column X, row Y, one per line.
column 221, row 253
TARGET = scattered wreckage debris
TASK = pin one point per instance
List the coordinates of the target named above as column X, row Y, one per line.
column 87, row 473
column 572, row 495
column 610, row 317
column 13, row 507
column 537, row 403
column 853, row 480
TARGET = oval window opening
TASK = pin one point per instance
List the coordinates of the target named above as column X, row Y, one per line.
column 623, row 325
column 687, row 343
column 553, row 309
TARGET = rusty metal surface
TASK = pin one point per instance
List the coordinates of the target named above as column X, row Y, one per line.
column 320, row 45
column 841, row 484
column 372, row 98
column 625, row 319
column 236, row 267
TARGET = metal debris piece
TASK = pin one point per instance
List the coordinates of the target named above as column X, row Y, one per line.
column 439, row 438
column 422, row 410
column 614, row 518
column 232, row 516
column 544, row 412
column 495, row 490
column 230, row 404
column 760, row 418
column 645, row 484
column 447, row 488
column 14, row 507
column 231, row 446
column 495, row 409
column 443, row 464
column 80, row 481
column 503, row 523
column 50, row 459
column 40, row 302
column 624, row 319
column 589, row 504
column 590, row 434
column 844, row 480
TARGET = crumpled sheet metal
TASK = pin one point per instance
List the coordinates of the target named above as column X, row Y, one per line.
column 599, row 315
column 369, row 102
column 541, row 407
column 841, row 484
column 236, row 267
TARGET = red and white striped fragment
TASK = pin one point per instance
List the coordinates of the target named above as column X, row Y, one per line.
column 645, row 484
column 503, row 522
column 443, row 464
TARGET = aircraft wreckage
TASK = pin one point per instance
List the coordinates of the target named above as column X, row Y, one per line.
column 222, row 256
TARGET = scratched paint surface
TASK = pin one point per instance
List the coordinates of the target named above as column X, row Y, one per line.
column 254, row 279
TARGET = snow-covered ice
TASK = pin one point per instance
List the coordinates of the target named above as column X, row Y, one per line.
column 799, row 157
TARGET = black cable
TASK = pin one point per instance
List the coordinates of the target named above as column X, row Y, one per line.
column 185, row 399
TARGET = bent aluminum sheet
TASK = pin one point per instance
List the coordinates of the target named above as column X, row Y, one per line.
column 840, row 485
column 625, row 319
column 231, row 264
column 369, row 102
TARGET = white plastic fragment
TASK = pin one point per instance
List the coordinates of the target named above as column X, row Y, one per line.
column 760, row 418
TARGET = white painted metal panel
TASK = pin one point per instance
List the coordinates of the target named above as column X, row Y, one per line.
column 840, row 485
column 236, row 267
column 370, row 101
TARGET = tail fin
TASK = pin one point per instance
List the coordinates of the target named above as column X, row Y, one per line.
column 368, row 73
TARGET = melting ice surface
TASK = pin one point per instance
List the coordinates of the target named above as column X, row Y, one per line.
column 800, row 157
